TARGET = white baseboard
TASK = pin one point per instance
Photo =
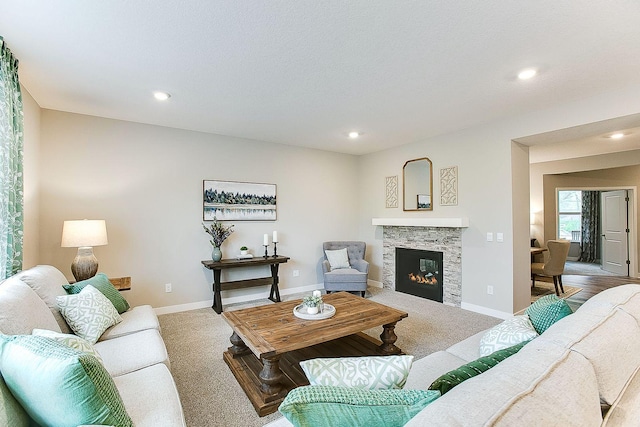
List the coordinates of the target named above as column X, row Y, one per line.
column 485, row 310
column 233, row 300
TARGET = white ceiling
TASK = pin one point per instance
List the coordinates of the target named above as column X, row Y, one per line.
column 306, row 72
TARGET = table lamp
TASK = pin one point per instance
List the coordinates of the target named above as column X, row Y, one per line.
column 84, row 235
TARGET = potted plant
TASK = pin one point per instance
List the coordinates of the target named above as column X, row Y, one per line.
column 312, row 302
column 244, row 250
column 219, row 234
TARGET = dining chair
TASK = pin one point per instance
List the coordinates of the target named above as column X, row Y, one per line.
column 553, row 265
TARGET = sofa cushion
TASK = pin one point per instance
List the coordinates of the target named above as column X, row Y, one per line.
column 506, row 334
column 469, row 348
column 540, row 385
column 50, row 380
column 47, row 281
column 546, row 311
column 613, row 348
column 161, row 403
column 425, row 371
column 11, row 412
column 625, row 410
column 131, row 352
column 374, row 372
column 451, row 379
column 344, row 406
column 88, row 313
column 22, row 310
column 69, row 340
column 338, row 258
column 137, row 319
column 101, row 282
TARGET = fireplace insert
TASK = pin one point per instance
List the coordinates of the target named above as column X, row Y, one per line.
column 419, row 273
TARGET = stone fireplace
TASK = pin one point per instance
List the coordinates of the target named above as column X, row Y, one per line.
column 437, row 235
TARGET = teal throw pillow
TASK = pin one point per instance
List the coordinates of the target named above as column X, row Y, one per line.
column 58, row 385
column 546, row 311
column 373, row 372
column 469, row 370
column 318, row 406
column 101, row 282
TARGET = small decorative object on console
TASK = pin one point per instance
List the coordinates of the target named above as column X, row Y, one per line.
column 219, row 234
column 244, row 250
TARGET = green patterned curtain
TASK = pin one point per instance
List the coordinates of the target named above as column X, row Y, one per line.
column 11, row 185
column 590, row 226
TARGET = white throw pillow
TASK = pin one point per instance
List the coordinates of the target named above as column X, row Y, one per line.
column 508, row 333
column 88, row 313
column 338, row 258
column 371, row 373
column 69, row 340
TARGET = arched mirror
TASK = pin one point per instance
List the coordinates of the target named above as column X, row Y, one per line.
column 418, row 185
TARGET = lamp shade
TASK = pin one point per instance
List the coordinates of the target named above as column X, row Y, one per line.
column 86, row 232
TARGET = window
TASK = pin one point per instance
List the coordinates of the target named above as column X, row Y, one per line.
column 569, row 214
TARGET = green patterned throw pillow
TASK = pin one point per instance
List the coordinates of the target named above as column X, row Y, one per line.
column 101, row 282
column 88, row 313
column 469, row 370
column 346, row 407
column 58, row 385
column 69, row 340
column 510, row 332
column 374, row 372
column 546, row 311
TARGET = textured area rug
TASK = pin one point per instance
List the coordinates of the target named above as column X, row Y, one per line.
column 209, row 392
column 544, row 288
column 585, row 269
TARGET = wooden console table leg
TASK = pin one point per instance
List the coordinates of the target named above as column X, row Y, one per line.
column 274, row 295
column 271, row 377
column 238, row 347
column 217, row 298
column 388, row 338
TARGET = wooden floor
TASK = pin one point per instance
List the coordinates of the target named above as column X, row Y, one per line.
column 591, row 285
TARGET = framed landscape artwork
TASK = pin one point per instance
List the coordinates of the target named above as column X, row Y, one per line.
column 238, row 201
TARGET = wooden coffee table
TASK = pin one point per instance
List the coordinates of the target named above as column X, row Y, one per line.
column 268, row 342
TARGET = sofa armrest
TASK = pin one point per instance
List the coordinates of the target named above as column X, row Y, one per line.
column 361, row 265
column 326, row 267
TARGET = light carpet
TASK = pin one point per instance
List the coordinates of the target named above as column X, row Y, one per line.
column 209, row 392
column 544, row 288
column 578, row 268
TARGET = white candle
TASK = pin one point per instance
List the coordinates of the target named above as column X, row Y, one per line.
column 275, row 237
column 316, row 293
column 266, row 240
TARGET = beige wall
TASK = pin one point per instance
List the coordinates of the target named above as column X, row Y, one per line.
column 146, row 182
column 31, row 169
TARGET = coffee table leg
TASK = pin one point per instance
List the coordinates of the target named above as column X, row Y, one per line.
column 388, row 338
column 238, row 346
column 271, row 375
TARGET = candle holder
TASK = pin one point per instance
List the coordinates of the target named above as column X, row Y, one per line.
column 275, row 249
column 265, row 251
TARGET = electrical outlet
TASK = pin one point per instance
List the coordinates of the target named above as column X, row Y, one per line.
column 167, row 287
column 490, row 290
column 296, row 273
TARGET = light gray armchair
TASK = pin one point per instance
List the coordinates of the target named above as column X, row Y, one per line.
column 352, row 279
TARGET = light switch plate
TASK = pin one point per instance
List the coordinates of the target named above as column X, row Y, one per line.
column 489, row 237
column 499, row 237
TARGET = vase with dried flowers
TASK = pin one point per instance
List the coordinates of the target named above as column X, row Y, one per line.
column 219, row 234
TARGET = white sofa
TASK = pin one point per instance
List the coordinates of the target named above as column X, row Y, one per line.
column 582, row 367
column 133, row 351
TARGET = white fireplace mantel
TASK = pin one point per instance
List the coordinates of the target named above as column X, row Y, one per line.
column 422, row 222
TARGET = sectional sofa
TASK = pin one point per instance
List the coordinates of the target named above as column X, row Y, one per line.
column 581, row 371
column 132, row 352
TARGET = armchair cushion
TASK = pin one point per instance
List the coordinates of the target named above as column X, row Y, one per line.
column 338, row 259
column 345, row 275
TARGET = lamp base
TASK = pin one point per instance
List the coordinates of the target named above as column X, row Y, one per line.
column 85, row 264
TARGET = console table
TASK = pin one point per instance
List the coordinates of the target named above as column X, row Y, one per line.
column 218, row 266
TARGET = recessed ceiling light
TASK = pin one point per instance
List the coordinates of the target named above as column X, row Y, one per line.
column 617, row 135
column 527, row 74
column 354, row 135
column 161, row 96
